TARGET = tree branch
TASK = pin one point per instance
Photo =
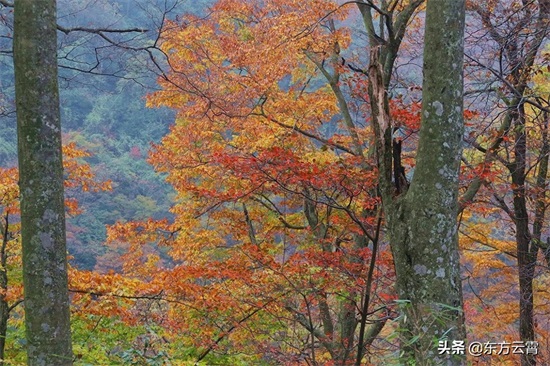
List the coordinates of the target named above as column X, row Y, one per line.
column 99, row 31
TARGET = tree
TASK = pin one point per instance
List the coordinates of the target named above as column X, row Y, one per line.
column 290, row 240
column 41, row 184
column 519, row 146
column 253, row 160
column 248, row 132
column 422, row 221
column 421, row 218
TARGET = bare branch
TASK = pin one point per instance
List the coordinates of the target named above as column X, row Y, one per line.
column 99, row 31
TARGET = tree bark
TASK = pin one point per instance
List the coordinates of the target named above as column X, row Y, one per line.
column 422, row 221
column 541, row 190
column 41, row 184
column 525, row 252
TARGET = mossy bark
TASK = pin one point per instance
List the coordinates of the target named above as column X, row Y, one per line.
column 423, row 220
column 41, row 184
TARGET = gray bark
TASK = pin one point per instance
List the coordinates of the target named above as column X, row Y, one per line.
column 423, row 220
column 41, row 184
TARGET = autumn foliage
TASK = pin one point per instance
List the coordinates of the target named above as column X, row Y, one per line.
column 270, row 255
column 267, row 255
column 275, row 252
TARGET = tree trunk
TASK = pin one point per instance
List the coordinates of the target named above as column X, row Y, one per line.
column 531, row 29
column 4, row 317
column 41, row 184
column 527, row 254
column 422, row 221
column 541, row 190
column 4, row 306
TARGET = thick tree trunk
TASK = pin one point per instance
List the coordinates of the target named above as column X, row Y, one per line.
column 422, row 222
column 41, row 184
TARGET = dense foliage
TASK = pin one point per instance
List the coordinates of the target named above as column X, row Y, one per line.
column 223, row 197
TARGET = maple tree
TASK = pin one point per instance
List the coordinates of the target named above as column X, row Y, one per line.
column 269, row 220
column 272, row 172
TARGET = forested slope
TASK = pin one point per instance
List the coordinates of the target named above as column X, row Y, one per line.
column 103, row 110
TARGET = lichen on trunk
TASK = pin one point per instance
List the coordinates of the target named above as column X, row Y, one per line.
column 41, row 184
column 422, row 220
